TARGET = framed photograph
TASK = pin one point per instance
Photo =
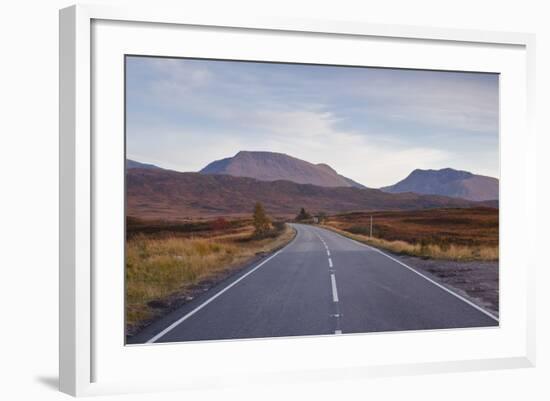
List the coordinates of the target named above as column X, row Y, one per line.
column 305, row 198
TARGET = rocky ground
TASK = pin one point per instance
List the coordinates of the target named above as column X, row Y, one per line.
column 476, row 281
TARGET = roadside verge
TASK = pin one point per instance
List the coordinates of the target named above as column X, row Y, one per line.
column 188, row 291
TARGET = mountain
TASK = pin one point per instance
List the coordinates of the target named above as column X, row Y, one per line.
column 271, row 166
column 134, row 164
column 448, row 182
column 171, row 195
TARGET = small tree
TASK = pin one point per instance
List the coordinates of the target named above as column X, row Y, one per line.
column 262, row 224
column 303, row 215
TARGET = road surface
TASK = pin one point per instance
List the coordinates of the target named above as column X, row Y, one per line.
column 320, row 283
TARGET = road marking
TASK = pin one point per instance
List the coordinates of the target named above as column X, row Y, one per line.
column 334, row 290
column 198, row 308
column 337, row 316
column 479, row 308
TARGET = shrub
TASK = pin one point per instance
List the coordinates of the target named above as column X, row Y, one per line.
column 262, row 224
column 303, row 215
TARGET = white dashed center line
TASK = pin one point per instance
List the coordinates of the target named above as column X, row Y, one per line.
column 334, row 290
column 337, row 315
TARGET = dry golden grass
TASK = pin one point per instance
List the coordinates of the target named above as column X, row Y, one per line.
column 435, row 251
column 159, row 268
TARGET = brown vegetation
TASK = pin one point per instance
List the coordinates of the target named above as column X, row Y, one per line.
column 189, row 228
column 454, row 234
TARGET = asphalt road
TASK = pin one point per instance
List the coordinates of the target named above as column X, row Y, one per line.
column 321, row 283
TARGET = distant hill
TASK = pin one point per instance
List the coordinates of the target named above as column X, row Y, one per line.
column 271, row 166
column 448, row 182
column 134, row 164
column 171, row 195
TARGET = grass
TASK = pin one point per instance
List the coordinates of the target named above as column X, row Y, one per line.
column 163, row 269
column 451, row 234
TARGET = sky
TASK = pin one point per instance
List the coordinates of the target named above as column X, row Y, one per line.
column 372, row 125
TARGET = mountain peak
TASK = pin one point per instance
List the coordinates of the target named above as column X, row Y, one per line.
column 448, row 182
column 326, row 167
column 258, row 153
column 443, row 174
column 273, row 166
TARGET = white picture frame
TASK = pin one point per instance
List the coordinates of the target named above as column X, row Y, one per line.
column 81, row 342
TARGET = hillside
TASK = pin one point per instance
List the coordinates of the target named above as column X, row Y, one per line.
column 164, row 194
column 134, row 164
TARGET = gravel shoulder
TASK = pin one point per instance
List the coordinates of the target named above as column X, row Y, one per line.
column 477, row 281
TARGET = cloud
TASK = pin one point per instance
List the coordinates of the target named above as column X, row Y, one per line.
column 311, row 136
column 372, row 125
column 292, row 123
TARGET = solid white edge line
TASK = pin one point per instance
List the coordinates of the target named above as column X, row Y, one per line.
column 198, row 308
column 334, row 290
column 479, row 308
